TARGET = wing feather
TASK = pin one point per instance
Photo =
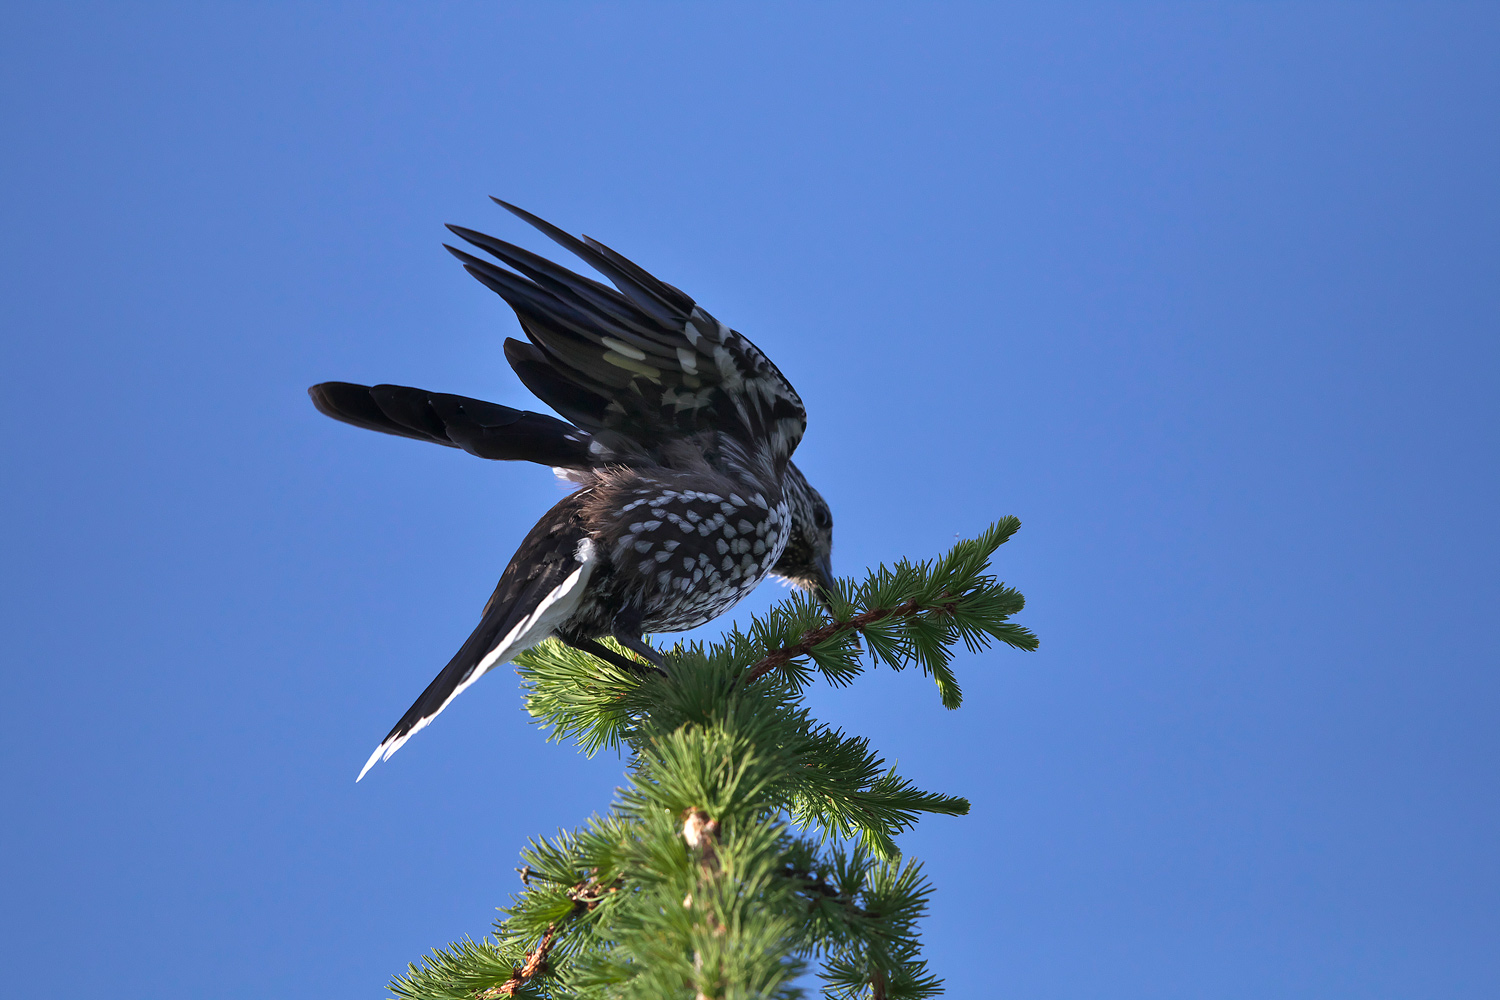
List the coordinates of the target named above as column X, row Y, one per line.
column 663, row 366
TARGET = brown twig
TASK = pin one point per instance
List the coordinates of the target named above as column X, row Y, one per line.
column 585, row 895
column 823, row 633
column 536, row 961
column 701, row 833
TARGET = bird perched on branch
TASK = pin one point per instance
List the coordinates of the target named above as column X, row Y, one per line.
column 679, row 433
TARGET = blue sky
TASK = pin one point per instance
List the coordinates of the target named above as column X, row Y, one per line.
column 1205, row 294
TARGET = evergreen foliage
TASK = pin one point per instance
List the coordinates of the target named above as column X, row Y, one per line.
column 751, row 840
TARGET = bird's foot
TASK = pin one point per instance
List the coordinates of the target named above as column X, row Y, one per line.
column 603, row 652
column 637, row 645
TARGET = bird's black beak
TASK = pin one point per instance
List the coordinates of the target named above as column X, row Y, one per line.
column 824, row 583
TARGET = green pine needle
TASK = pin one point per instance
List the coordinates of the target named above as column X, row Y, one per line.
column 750, row 839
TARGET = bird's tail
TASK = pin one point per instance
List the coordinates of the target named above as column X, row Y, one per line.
column 544, row 582
column 487, row 430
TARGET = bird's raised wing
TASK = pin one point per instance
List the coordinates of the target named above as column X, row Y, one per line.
column 664, row 367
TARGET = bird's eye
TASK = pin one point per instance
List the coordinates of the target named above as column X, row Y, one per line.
column 822, row 518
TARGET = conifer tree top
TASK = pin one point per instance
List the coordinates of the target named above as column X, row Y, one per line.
column 751, row 840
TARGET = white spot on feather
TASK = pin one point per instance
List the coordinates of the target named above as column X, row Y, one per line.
column 634, row 353
column 632, row 365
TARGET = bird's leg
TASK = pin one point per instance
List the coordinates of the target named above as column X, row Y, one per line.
column 603, row 652
column 636, row 644
column 627, row 632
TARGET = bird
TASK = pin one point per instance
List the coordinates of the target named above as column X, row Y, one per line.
column 678, row 434
column 502, row 433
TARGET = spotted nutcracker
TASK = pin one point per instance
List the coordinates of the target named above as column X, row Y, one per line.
column 680, row 439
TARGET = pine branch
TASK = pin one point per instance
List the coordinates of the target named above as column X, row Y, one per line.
column 818, row 636
column 536, row 962
column 694, row 884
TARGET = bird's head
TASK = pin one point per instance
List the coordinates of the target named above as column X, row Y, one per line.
column 806, row 561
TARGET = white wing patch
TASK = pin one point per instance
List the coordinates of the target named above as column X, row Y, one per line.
column 535, row 627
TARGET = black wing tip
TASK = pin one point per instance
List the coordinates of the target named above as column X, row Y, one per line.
column 465, row 233
column 471, row 262
column 490, row 244
column 534, row 220
column 477, row 265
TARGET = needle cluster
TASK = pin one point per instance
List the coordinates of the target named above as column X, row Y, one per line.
column 751, row 841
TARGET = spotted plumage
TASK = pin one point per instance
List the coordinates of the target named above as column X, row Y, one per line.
column 680, row 440
column 686, row 552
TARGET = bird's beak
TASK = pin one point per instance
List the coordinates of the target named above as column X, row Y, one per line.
column 824, row 582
